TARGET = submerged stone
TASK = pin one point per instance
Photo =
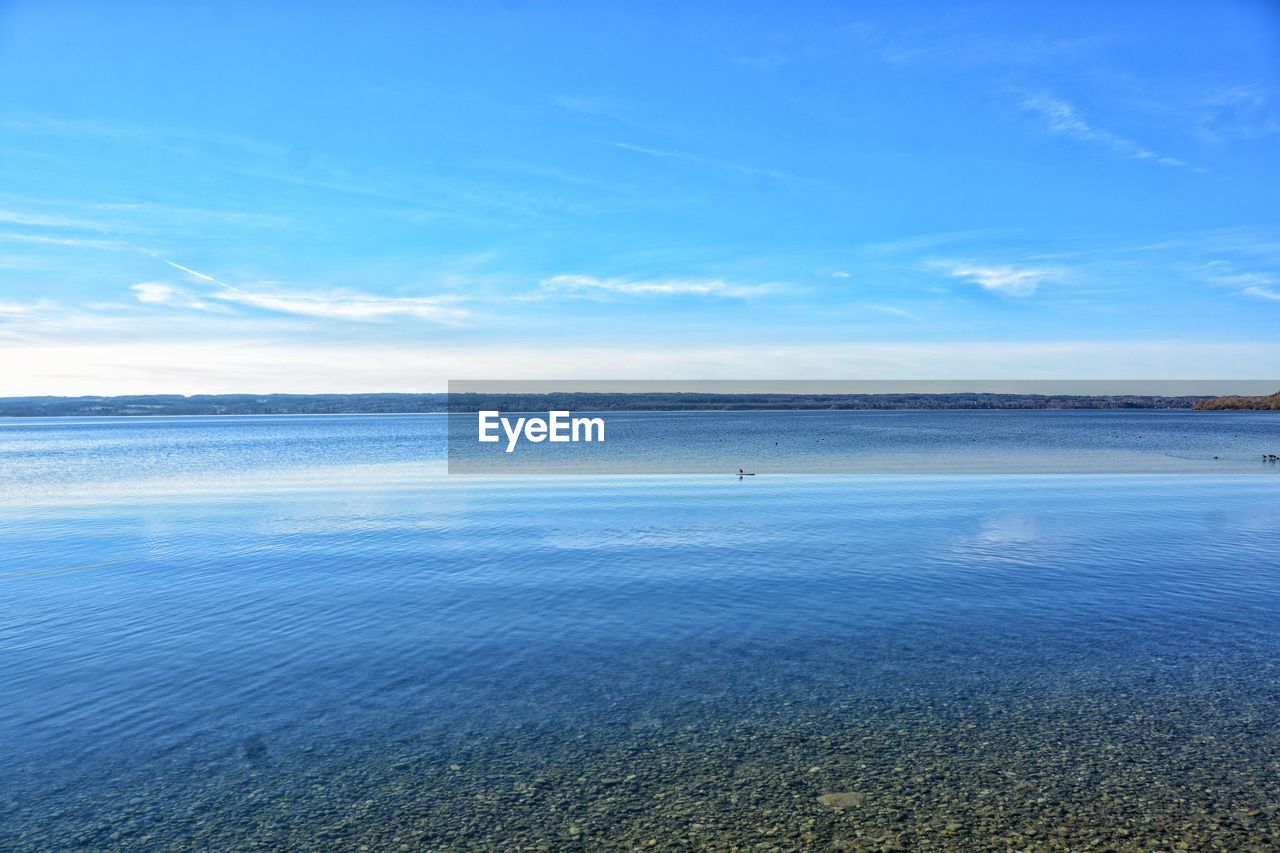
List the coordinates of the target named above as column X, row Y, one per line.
column 841, row 799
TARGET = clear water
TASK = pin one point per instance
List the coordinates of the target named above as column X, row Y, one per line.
column 223, row 633
column 891, row 442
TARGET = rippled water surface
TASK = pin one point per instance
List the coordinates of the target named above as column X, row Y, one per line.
column 300, row 632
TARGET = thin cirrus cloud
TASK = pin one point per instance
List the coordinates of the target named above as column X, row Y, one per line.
column 1260, row 292
column 163, row 293
column 1004, row 279
column 22, row 309
column 894, row 311
column 1255, row 284
column 343, row 305
column 325, row 305
column 1064, row 119
column 708, row 161
column 586, row 285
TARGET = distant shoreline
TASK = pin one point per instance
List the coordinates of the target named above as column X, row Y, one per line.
column 152, row 405
column 1240, row 404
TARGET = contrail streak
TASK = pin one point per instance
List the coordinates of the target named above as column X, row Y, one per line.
column 187, row 270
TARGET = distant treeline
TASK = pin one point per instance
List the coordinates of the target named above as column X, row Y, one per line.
column 1251, row 404
column 333, row 404
column 604, row 402
column 223, row 404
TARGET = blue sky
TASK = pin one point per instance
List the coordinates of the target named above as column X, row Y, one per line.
column 222, row 197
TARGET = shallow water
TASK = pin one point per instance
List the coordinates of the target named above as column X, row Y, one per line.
column 299, row 632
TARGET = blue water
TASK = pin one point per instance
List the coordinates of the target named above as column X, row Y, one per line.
column 299, row 632
column 891, row 442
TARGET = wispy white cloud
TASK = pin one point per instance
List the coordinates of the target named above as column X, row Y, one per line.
column 1064, row 119
column 1236, row 112
column 596, row 106
column 69, row 242
column 1004, row 278
column 1259, row 285
column 349, row 305
column 586, row 284
column 321, row 304
column 894, row 310
column 46, row 319
column 962, row 49
column 329, row 305
column 769, row 59
column 42, row 220
column 13, row 310
column 1217, row 114
column 840, row 274
column 155, row 292
column 710, row 161
column 1262, row 292
column 163, row 293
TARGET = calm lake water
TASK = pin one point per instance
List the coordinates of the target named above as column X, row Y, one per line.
column 238, row 632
